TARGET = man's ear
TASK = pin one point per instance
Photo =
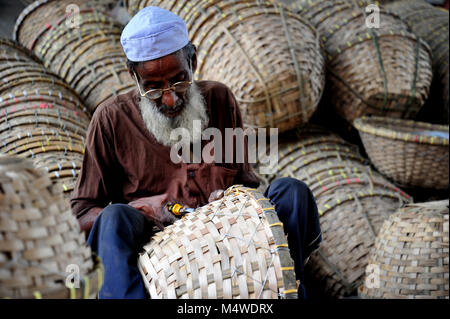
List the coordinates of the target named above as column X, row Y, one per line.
column 132, row 71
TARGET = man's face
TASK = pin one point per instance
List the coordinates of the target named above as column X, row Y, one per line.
column 161, row 74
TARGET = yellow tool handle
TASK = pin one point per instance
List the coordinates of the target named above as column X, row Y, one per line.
column 175, row 209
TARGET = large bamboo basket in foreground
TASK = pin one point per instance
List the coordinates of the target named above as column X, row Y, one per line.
column 231, row 248
column 384, row 71
column 269, row 57
column 40, row 238
column 413, row 154
column 410, row 259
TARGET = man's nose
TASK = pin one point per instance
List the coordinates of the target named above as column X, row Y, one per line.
column 170, row 98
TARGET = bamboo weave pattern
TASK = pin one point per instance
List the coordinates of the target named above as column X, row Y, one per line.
column 412, row 254
column 231, row 248
column 39, row 238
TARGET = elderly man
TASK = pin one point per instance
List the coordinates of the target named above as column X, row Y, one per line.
column 128, row 177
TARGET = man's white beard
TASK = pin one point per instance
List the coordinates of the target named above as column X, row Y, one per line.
column 160, row 126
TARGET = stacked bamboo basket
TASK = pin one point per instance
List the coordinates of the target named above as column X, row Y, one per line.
column 353, row 201
column 40, row 240
column 269, row 57
column 42, row 118
column 383, row 71
column 413, row 154
column 431, row 24
column 411, row 255
column 89, row 57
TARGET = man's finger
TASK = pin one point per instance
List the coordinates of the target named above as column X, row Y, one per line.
column 220, row 193
column 217, row 194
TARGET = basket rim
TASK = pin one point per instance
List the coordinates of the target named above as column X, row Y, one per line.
column 368, row 125
column 336, row 201
column 20, row 47
column 428, row 207
column 24, row 14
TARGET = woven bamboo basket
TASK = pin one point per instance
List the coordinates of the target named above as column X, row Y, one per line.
column 52, row 147
column 306, row 149
column 432, row 24
column 13, row 51
column 317, row 11
column 385, row 71
column 40, row 238
column 59, row 149
column 22, row 144
column 62, row 168
column 28, row 86
column 176, row 7
column 37, row 93
column 334, row 169
column 49, row 17
column 287, row 69
column 304, row 152
column 413, row 154
column 365, row 3
column 60, row 157
column 307, row 154
column 289, row 152
column 350, row 221
column 231, row 248
column 411, row 254
column 90, row 58
column 396, row 87
column 41, row 101
column 41, row 117
column 303, row 168
column 13, row 140
column 325, row 162
column 327, row 186
column 269, row 57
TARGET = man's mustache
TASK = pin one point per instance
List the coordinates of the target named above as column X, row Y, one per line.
column 171, row 109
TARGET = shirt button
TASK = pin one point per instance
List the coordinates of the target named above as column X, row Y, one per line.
column 191, row 173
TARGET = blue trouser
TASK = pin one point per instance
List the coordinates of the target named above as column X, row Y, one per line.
column 120, row 231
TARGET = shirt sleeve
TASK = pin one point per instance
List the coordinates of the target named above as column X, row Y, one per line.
column 94, row 184
column 246, row 175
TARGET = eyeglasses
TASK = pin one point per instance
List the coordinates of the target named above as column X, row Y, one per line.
column 154, row 94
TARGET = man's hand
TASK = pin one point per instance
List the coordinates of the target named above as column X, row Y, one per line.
column 155, row 208
column 87, row 220
column 216, row 195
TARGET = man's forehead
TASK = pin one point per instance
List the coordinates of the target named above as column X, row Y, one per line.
column 164, row 67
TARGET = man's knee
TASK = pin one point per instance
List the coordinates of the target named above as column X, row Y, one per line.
column 292, row 198
column 118, row 215
column 289, row 185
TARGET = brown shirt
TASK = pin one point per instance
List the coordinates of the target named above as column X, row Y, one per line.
column 123, row 162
